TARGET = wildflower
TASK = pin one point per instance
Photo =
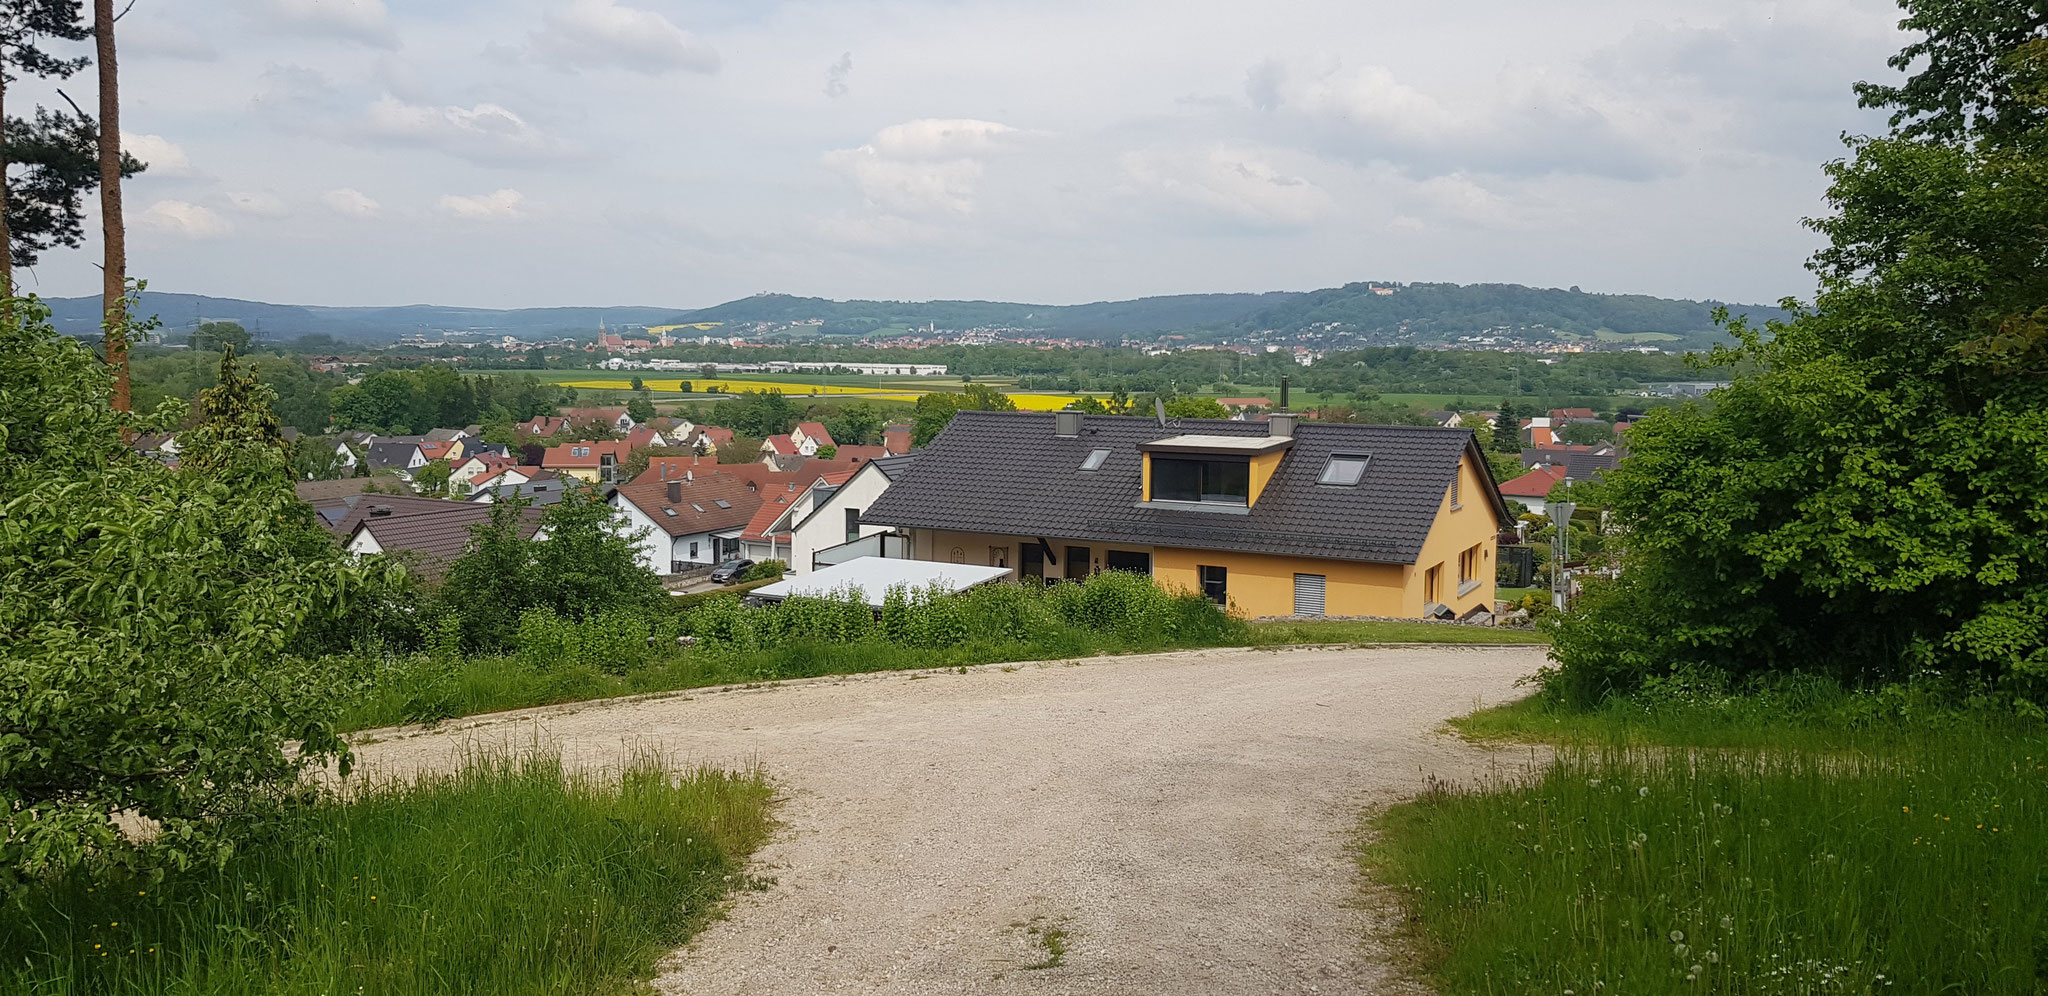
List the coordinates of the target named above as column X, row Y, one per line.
column 1677, row 936
column 1727, row 923
column 1713, row 957
column 1643, row 793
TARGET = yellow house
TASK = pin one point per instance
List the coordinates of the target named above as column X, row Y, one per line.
column 1272, row 518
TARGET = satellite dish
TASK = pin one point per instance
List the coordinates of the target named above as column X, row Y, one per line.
column 1159, row 409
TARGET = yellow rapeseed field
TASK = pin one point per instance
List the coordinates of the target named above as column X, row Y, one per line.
column 1028, row 402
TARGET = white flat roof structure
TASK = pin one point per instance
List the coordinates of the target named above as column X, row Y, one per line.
column 874, row 576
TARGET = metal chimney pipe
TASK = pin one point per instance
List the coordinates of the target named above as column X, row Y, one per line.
column 1283, row 392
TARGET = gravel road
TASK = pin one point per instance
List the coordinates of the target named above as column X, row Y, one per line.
column 1182, row 820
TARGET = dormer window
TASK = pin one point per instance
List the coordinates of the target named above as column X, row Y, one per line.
column 1345, row 469
column 1227, row 482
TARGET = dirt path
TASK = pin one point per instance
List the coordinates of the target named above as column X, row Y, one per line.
column 1184, row 819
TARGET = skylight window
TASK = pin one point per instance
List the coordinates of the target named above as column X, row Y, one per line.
column 1344, row 469
column 665, row 510
column 722, row 503
column 696, row 506
column 1096, row 458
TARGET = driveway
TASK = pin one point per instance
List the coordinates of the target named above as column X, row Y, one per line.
column 1184, row 820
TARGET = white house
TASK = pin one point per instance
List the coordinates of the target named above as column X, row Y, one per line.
column 687, row 522
column 830, row 514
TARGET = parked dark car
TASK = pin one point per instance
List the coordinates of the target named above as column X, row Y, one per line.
column 731, row 571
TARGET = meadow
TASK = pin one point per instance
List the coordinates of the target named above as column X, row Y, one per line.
column 1835, row 848
column 508, row 876
column 667, row 386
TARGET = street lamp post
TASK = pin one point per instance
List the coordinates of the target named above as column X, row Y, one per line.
column 1560, row 577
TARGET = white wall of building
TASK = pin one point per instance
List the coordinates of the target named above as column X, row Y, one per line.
column 824, row 524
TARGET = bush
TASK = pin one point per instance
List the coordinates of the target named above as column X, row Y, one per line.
column 767, row 570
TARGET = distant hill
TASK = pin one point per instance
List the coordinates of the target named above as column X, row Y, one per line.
column 1442, row 311
column 1419, row 313
column 81, row 316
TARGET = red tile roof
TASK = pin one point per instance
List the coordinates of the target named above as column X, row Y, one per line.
column 816, row 430
column 779, row 443
column 1534, row 484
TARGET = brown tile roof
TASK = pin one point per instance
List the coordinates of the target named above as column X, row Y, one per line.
column 771, row 509
column 682, row 506
column 400, row 506
column 430, row 541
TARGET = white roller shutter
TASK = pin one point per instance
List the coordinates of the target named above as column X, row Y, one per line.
column 1308, row 594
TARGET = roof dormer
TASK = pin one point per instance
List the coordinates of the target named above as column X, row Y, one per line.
column 1210, row 473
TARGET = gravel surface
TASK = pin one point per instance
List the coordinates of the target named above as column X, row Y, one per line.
column 1183, row 820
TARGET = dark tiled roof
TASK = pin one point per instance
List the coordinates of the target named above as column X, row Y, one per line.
column 894, row 467
column 1006, row 472
column 392, row 453
column 359, row 505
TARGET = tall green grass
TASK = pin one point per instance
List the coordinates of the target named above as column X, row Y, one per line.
column 507, row 877
column 1895, row 865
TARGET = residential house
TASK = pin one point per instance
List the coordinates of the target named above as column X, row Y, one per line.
column 766, row 537
column 710, row 438
column 781, row 444
column 687, row 522
column 1561, row 417
column 1533, row 488
column 397, row 455
column 446, row 435
column 426, row 541
column 825, row 527
column 615, row 415
column 1447, row 419
column 641, row 435
column 810, row 437
column 1238, row 406
column 896, row 438
column 160, row 446
column 588, row 461
column 1276, row 518
column 1539, row 432
column 474, row 465
column 449, row 450
column 541, row 426
column 342, row 514
column 333, row 500
column 537, row 486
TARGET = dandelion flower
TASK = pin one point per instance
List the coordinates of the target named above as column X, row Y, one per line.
column 1643, row 792
column 1678, row 937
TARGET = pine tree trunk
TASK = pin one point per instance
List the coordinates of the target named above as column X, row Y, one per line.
column 114, row 275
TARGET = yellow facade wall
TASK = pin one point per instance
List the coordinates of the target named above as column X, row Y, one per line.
column 1471, row 523
column 1260, row 584
column 1263, row 467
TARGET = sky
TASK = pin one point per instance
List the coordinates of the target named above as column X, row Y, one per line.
column 519, row 153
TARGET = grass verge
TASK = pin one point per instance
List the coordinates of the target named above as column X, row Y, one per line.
column 411, row 688
column 1798, row 839
column 507, row 877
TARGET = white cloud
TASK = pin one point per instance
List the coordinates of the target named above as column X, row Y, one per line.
column 163, row 157
column 1525, row 123
column 364, row 21
column 351, row 202
column 938, row 138
column 485, row 133
column 1407, row 223
column 1236, row 185
column 920, row 167
column 184, row 218
column 259, row 204
column 504, row 204
column 600, row 34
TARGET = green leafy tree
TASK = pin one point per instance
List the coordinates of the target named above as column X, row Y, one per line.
column 149, row 616
column 1507, row 436
column 638, row 385
column 740, row 449
column 220, row 336
column 1583, row 433
column 757, row 413
column 432, row 479
column 1869, row 501
column 641, row 407
column 856, row 424
column 827, row 452
column 1196, row 408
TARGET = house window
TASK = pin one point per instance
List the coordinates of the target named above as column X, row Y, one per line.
column 693, row 551
column 1222, row 481
column 1456, row 480
column 1344, row 469
column 1127, row 560
column 1468, row 565
column 852, row 524
column 1077, row 563
column 607, row 468
column 581, row 451
column 1215, row 584
column 999, row 556
column 1432, row 584
column 1031, row 561
column 1095, row 460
